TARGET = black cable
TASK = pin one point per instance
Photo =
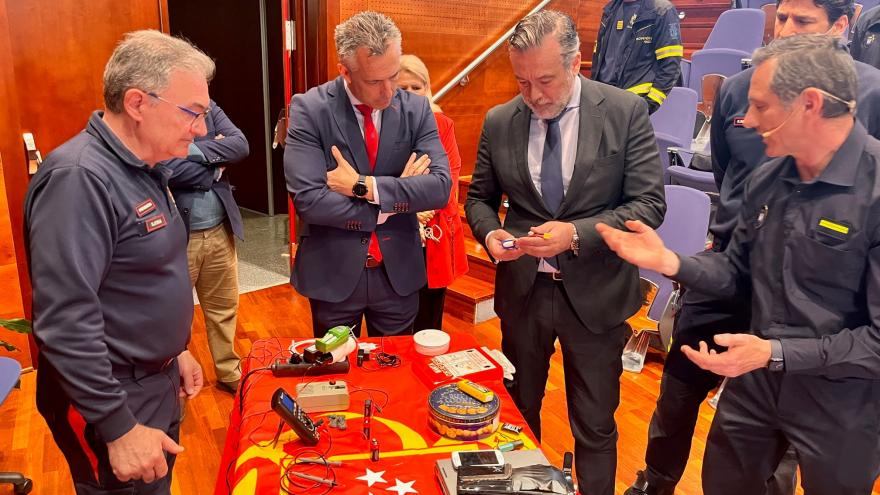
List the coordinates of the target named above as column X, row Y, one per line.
column 280, row 351
column 369, row 391
column 384, row 359
column 242, row 391
column 288, row 478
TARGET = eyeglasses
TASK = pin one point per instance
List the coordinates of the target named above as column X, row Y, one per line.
column 195, row 115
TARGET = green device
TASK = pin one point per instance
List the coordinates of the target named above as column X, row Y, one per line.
column 334, row 338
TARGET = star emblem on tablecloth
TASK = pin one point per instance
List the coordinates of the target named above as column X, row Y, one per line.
column 401, row 488
column 372, row 477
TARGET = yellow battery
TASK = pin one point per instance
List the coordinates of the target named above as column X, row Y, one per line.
column 476, row 390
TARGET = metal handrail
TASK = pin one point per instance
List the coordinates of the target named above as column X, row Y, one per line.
column 480, row 58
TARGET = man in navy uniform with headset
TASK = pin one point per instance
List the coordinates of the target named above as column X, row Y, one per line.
column 736, row 152
column 807, row 243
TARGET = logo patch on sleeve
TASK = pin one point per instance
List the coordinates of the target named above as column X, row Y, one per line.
column 142, row 209
column 155, row 223
column 738, row 121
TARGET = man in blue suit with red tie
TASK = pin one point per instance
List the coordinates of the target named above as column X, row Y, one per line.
column 362, row 158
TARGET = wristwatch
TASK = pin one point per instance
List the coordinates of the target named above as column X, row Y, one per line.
column 575, row 240
column 777, row 360
column 359, row 189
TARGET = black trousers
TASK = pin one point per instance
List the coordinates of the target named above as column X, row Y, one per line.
column 833, row 425
column 153, row 399
column 430, row 313
column 592, row 366
column 684, row 386
column 387, row 313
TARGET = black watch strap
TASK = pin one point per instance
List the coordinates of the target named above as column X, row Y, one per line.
column 360, row 187
column 777, row 358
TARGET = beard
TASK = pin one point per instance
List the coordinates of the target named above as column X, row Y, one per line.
column 548, row 110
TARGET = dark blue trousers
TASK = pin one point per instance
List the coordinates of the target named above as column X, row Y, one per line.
column 152, row 397
column 387, row 312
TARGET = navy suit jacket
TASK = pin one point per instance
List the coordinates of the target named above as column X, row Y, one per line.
column 189, row 177
column 334, row 229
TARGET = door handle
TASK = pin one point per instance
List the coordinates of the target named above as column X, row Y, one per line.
column 280, row 132
column 35, row 159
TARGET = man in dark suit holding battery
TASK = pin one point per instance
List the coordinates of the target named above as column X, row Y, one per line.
column 568, row 153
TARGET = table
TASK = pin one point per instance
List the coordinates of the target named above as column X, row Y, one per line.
column 408, row 447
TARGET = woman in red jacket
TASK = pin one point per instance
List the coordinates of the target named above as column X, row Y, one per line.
column 441, row 229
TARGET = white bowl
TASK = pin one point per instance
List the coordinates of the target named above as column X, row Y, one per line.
column 431, row 342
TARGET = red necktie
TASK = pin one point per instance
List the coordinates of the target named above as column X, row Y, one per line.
column 371, row 138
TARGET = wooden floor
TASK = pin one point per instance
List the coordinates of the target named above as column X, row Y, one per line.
column 26, row 445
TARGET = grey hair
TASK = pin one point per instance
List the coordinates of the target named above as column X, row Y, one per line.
column 145, row 60
column 369, row 29
column 532, row 29
column 812, row 61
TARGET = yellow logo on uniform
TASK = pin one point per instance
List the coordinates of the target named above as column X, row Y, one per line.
column 828, row 224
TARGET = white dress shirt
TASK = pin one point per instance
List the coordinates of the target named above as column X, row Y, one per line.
column 376, row 115
column 569, row 125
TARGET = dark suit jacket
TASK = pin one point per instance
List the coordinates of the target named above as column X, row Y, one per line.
column 189, row 177
column 334, row 232
column 617, row 177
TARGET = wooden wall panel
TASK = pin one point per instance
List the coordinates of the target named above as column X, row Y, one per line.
column 12, row 151
column 10, row 292
column 449, row 35
column 59, row 56
column 52, row 55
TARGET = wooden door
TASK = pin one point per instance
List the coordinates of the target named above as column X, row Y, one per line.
column 52, row 56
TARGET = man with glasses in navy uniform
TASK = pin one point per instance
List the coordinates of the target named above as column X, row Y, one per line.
column 112, row 302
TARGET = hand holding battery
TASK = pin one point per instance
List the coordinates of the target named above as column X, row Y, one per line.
column 547, row 240
column 500, row 247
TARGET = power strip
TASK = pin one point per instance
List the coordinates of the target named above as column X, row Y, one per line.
column 323, row 396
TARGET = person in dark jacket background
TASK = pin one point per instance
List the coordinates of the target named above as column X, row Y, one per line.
column 865, row 45
column 639, row 48
column 204, row 199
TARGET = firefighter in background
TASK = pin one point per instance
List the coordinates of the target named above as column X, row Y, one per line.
column 639, row 48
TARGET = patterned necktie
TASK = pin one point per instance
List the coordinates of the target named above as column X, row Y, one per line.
column 551, row 165
column 371, row 139
column 552, row 190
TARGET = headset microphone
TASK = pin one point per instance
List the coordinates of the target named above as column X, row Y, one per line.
column 850, row 106
column 769, row 133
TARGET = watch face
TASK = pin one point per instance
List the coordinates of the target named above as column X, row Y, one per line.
column 359, row 189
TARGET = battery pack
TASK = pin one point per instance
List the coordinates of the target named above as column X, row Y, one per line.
column 322, row 396
column 334, row 338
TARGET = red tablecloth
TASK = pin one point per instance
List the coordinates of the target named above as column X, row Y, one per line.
column 408, row 447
